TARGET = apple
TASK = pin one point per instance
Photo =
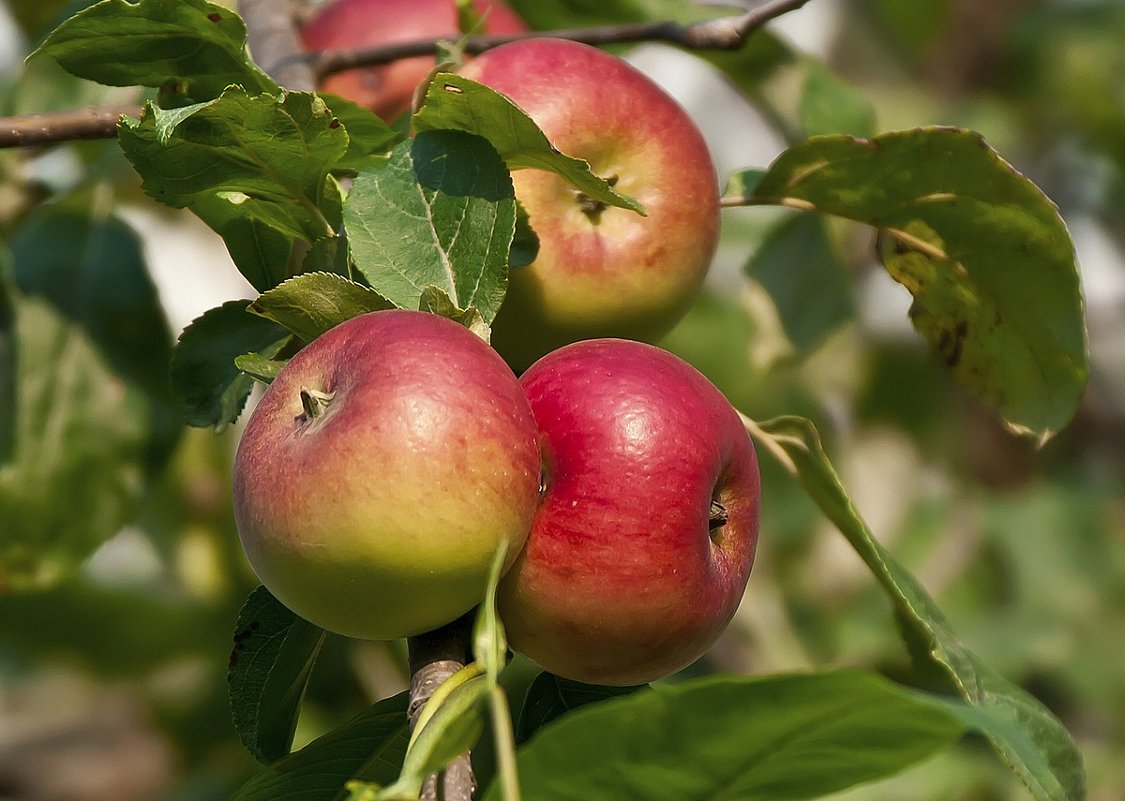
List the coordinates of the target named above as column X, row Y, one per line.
column 641, row 548
column 380, row 472
column 602, row 271
column 387, row 89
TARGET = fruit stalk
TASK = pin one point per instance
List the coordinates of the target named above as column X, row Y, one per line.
column 434, row 657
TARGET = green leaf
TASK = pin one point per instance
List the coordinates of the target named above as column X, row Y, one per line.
column 755, row 739
column 441, row 213
column 195, row 46
column 75, row 475
column 242, row 162
column 490, row 643
column 454, row 728
column 259, row 367
column 742, row 183
column 369, row 748
column 829, row 105
column 551, row 696
column 205, row 380
column 983, row 251
column 310, row 304
column 1028, row 737
column 799, row 267
column 270, row 663
column 457, row 103
column 369, row 138
column 91, row 268
column 435, row 301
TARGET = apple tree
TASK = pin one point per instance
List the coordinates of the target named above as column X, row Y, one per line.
column 329, row 213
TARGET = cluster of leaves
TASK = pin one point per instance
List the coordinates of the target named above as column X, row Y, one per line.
column 330, row 213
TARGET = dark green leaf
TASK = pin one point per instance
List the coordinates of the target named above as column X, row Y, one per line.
column 983, row 251
column 310, row 304
column 441, row 213
column 742, row 183
column 249, row 166
column 457, row 103
column 207, row 383
column 829, row 105
column 1029, row 738
column 75, row 474
column 92, row 270
column 195, row 46
column 551, row 696
column 369, row 748
column 525, row 243
column 273, row 655
column 799, row 267
column 369, row 138
column 548, row 14
column 270, row 158
column 754, row 739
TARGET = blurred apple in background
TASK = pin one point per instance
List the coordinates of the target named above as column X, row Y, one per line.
column 642, row 545
column 380, row 472
column 351, row 24
column 602, row 271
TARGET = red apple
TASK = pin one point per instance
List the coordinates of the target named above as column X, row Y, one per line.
column 602, row 271
column 643, row 542
column 381, row 470
column 350, row 24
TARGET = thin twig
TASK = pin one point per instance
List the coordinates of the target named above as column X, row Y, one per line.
column 434, row 657
column 273, row 39
column 725, row 33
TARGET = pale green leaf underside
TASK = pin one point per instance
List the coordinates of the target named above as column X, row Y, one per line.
column 310, row 304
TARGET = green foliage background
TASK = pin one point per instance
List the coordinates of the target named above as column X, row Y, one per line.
column 1024, row 549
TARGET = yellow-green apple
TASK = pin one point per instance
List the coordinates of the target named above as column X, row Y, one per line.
column 602, row 271
column 351, row 24
column 380, row 472
column 643, row 542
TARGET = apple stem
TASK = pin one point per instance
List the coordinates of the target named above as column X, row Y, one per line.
column 315, row 402
column 434, row 657
column 718, row 517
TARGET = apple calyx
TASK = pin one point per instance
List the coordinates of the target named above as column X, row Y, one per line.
column 593, row 208
column 315, row 402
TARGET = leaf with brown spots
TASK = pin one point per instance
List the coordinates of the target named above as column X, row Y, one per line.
column 983, row 251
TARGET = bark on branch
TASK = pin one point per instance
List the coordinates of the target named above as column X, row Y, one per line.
column 434, row 657
column 271, row 25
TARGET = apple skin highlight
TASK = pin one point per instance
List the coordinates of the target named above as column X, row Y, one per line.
column 379, row 517
column 623, row 580
column 608, row 272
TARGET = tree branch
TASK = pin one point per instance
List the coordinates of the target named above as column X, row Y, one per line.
column 434, row 657
column 271, row 29
column 63, row 126
column 724, row 33
column 274, row 41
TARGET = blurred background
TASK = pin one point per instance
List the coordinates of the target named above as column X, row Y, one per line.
column 120, row 570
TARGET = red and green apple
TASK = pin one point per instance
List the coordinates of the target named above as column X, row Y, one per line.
column 602, row 271
column 380, row 472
